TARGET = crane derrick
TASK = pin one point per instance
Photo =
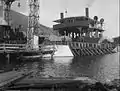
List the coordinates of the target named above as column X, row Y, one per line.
column 6, row 10
column 32, row 22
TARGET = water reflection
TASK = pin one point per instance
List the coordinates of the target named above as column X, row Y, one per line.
column 63, row 60
column 9, row 65
column 101, row 68
column 60, row 67
column 108, row 67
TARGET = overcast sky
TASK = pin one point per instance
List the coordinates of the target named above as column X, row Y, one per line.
column 50, row 9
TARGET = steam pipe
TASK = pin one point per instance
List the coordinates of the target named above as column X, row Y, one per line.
column 61, row 15
column 87, row 11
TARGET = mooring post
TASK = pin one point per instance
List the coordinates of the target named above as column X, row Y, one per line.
column 7, row 57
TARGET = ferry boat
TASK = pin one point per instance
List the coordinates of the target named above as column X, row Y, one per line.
column 86, row 36
column 80, row 36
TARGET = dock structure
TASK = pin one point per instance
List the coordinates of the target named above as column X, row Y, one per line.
column 15, row 49
column 10, row 77
column 9, row 52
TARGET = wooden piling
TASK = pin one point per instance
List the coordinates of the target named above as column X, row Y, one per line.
column 86, row 52
column 101, row 52
column 89, row 51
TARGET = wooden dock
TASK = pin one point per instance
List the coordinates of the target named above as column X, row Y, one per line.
column 8, row 78
column 9, row 52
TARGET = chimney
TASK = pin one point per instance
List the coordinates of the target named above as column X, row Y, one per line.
column 87, row 11
column 61, row 15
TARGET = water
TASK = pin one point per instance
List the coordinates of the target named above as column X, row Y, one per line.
column 101, row 68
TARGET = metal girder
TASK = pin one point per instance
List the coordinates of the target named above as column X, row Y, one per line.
column 6, row 10
column 32, row 22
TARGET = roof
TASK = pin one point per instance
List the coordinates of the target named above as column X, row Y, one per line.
column 82, row 18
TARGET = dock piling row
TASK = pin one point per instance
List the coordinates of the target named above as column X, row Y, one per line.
column 90, row 49
column 87, row 49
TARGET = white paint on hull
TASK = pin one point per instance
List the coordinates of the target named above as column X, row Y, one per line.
column 63, row 60
column 60, row 51
column 47, row 56
column 63, row 51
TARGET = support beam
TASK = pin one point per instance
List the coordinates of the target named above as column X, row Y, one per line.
column 6, row 10
column 32, row 23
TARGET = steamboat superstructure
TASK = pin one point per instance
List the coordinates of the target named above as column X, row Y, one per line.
column 86, row 34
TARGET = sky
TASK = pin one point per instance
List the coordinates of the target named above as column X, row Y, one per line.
column 50, row 10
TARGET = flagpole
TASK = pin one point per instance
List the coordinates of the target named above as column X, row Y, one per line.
column 66, row 12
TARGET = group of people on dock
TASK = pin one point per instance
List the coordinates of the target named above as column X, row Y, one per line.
column 12, row 35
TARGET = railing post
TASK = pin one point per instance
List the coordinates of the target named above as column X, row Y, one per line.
column 78, row 44
column 4, row 47
column 82, row 45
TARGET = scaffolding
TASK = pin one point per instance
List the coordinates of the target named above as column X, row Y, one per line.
column 32, row 22
column 33, row 18
column 6, row 10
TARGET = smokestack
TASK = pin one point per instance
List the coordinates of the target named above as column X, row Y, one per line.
column 87, row 11
column 61, row 15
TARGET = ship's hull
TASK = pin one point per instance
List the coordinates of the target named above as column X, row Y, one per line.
column 30, row 55
column 59, row 51
column 91, row 49
column 81, row 49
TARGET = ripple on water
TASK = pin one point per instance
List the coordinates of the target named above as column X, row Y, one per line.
column 101, row 68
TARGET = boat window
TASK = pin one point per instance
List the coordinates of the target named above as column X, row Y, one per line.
column 70, row 20
column 80, row 19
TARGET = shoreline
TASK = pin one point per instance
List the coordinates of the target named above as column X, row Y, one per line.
column 80, row 83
